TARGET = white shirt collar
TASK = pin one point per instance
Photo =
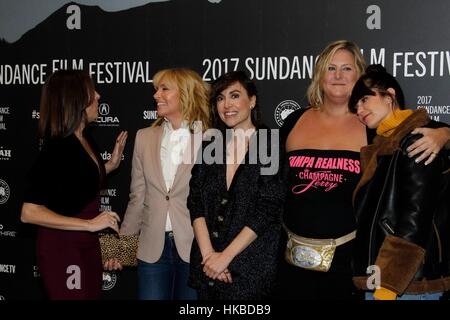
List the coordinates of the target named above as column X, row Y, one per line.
column 168, row 125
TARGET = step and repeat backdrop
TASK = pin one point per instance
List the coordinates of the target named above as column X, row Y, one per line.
column 123, row 44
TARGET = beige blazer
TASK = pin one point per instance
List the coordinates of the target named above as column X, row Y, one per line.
column 149, row 200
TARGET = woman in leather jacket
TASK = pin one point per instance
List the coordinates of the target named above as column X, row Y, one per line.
column 402, row 207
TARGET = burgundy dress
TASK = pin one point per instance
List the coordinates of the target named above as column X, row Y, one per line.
column 66, row 180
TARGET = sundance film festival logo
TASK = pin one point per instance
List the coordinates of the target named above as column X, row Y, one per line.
column 150, row 115
column 105, row 201
column 4, row 191
column 7, row 268
column 284, row 109
column 105, row 119
column 106, row 156
column 6, row 233
column 109, row 280
column 35, row 115
column 36, row 273
column 5, row 154
column 3, row 111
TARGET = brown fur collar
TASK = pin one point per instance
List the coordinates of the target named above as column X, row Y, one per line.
column 387, row 145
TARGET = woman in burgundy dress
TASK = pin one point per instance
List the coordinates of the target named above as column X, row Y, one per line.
column 62, row 191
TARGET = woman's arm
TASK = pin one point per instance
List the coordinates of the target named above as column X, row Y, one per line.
column 403, row 251
column 42, row 216
column 202, row 236
column 217, row 262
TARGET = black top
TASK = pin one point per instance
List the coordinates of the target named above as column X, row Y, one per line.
column 253, row 200
column 319, row 199
column 324, row 210
column 64, row 177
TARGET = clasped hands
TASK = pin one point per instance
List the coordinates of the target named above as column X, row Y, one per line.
column 215, row 266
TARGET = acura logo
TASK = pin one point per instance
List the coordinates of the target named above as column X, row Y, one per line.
column 103, row 109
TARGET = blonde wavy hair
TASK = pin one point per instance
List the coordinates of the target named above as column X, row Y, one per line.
column 194, row 95
column 315, row 90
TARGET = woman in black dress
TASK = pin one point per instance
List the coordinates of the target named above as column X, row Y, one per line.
column 235, row 204
column 62, row 192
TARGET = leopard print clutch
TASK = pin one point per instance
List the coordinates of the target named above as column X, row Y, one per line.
column 123, row 247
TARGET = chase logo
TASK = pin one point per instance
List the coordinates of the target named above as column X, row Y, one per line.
column 109, row 280
column 284, row 109
column 103, row 109
column 4, row 191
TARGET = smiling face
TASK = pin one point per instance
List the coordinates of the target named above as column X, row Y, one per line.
column 373, row 109
column 167, row 97
column 234, row 106
column 340, row 76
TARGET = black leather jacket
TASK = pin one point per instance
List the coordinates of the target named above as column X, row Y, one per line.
column 402, row 209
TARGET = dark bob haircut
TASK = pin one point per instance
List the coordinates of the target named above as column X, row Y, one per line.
column 376, row 77
column 223, row 82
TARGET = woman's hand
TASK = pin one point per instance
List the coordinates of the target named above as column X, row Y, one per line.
column 116, row 155
column 215, row 264
column 225, row 276
column 106, row 219
column 112, row 264
column 430, row 144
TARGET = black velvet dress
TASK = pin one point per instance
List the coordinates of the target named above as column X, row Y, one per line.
column 67, row 181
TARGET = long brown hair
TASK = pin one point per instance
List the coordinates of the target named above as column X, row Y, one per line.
column 65, row 96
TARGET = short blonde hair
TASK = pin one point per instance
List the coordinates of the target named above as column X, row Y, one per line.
column 194, row 95
column 315, row 90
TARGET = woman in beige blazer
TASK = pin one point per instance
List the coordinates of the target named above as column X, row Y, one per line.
column 161, row 170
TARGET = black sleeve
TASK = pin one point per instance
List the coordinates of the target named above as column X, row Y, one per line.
column 270, row 193
column 418, row 189
column 40, row 179
column 195, row 199
column 269, row 204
